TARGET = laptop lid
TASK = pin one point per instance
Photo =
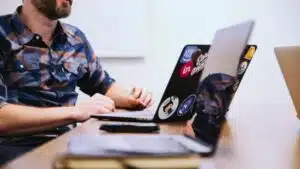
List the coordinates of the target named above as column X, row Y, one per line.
column 206, row 130
column 223, row 57
column 229, row 54
column 227, row 47
column 180, row 93
column 289, row 59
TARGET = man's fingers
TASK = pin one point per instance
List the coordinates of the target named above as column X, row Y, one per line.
column 105, row 104
column 111, row 107
column 144, row 95
column 99, row 104
column 136, row 92
column 104, row 101
column 147, row 100
column 102, row 110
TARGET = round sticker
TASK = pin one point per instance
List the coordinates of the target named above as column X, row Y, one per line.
column 168, row 107
column 186, row 69
column 186, row 105
column 243, row 67
column 188, row 54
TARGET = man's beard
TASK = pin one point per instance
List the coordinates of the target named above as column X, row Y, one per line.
column 50, row 9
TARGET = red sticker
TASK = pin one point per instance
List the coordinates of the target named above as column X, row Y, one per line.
column 186, row 69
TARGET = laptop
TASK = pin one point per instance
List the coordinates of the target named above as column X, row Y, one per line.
column 288, row 58
column 179, row 97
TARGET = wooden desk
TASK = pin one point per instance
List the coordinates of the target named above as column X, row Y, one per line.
column 256, row 138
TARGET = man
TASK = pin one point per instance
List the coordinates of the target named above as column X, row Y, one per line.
column 41, row 70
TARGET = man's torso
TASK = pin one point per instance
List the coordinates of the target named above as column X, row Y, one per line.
column 39, row 75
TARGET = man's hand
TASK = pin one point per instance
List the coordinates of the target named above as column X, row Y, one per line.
column 140, row 99
column 97, row 104
column 188, row 130
column 136, row 99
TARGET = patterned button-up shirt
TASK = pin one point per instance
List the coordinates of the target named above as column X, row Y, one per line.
column 36, row 74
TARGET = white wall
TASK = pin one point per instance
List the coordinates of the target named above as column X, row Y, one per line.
column 118, row 28
column 174, row 23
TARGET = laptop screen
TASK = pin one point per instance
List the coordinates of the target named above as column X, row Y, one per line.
column 213, row 100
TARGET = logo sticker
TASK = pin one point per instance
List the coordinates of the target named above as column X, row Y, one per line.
column 186, row 69
column 250, row 53
column 168, row 107
column 199, row 60
column 242, row 68
column 186, row 105
column 187, row 55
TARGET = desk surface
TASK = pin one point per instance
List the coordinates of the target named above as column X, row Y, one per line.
column 257, row 138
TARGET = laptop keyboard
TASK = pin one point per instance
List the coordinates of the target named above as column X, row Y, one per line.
column 135, row 114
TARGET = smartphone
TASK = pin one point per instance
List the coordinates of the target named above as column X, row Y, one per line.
column 129, row 127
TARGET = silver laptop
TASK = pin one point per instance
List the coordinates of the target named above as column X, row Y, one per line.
column 223, row 57
column 288, row 58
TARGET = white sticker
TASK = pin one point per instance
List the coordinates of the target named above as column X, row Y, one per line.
column 243, row 67
column 199, row 64
column 168, row 107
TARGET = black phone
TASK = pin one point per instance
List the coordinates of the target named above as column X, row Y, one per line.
column 129, row 127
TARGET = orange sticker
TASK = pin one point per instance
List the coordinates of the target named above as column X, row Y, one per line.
column 250, row 53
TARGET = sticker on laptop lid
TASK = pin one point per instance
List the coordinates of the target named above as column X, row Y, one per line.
column 242, row 68
column 199, row 60
column 168, row 107
column 250, row 53
column 186, row 69
column 187, row 55
column 186, row 105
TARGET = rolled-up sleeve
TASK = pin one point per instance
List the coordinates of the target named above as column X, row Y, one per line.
column 96, row 80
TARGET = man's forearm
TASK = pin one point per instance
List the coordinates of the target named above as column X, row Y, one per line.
column 16, row 119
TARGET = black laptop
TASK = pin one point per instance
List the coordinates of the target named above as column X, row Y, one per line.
column 180, row 94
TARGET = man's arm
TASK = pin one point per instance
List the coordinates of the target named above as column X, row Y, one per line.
column 97, row 80
column 17, row 119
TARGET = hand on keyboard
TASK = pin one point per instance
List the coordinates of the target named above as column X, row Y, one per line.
column 98, row 104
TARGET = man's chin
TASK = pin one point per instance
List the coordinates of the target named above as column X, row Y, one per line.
column 63, row 13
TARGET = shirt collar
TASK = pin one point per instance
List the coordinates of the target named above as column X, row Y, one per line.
column 26, row 35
